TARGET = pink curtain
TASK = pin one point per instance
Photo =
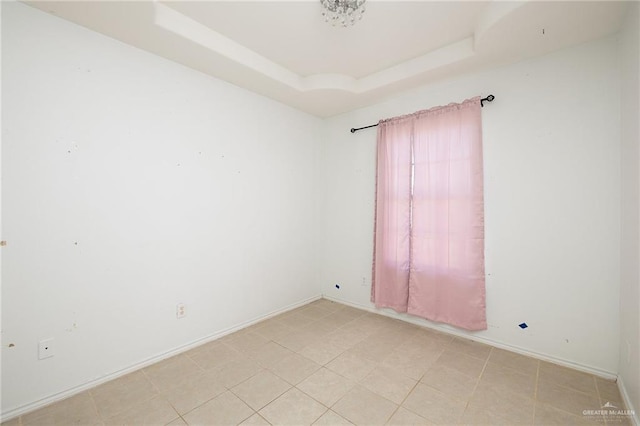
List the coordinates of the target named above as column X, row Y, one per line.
column 393, row 216
column 429, row 234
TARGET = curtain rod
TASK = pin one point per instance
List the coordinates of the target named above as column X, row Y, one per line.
column 489, row 98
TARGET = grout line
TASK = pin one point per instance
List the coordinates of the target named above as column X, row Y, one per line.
column 181, row 418
column 95, row 406
column 475, row 388
column 407, row 396
column 604, row 418
column 535, row 392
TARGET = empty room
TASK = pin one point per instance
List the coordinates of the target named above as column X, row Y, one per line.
column 323, row 212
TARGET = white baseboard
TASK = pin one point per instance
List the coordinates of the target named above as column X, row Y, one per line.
column 27, row 408
column 523, row 351
column 627, row 402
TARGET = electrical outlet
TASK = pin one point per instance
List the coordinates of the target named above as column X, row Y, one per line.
column 364, row 281
column 181, row 310
column 45, row 348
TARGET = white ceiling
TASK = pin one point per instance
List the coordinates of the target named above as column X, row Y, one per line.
column 284, row 50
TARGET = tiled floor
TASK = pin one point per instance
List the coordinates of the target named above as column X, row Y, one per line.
column 329, row 364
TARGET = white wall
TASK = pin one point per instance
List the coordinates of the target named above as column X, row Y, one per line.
column 130, row 184
column 552, row 201
column 178, row 187
column 630, row 243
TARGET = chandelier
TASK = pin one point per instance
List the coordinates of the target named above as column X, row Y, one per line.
column 342, row 12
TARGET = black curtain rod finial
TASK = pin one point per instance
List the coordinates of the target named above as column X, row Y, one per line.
column 366, row 127
column 489, row 98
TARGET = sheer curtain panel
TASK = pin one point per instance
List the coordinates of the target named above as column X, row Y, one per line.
column 429, row 228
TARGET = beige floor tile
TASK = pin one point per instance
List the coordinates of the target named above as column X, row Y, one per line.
column 198, row 390
column 347, row 314
column 261, row 389
column 547, row 415
column 479, row 416
column 365, row 325
column 77, row 410
column 230, row 336
column 335, row 321
column 388, row 384
column 434, row 406
column 205, row 347
column 293, row 408
column 377, row 319
column 434, row 334
column 363, row 407
column 412, row 364
column 610, row 405
column 617, row 416
column 272, row 329
column 469, row 347
column 404, row 417
column 500, row 403
column 619, row 420
column 295, row 311
column 226, row 409
column 326, row 386
column 465, row 364
column 294, row 320
column 177, row 422
column 391, row 337
column 295, row 368
column 269, row 355
column 321, row 352
column 172, row 372
column 319, row 328
column 571, row 401
column 330, row 418
column 368, row 317
column 358, row 328
column 520, row 363
column 355, row 312
column 123, row 393
column 297, row 339
column 247, row 341
column 16, row 422
column 400, row 329
column 450, row 382
column 255, row 420
column 236, row 372
column 314, row 312
column 419, row 343
column 372, row 349
column 608, row 390
column 156, row 411
column 508, row 380
column 567, row 377
column 327, row 304
column 351, row 366
column 344, row 337
column 213, row 355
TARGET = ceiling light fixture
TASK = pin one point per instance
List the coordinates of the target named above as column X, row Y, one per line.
column 342, row 12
